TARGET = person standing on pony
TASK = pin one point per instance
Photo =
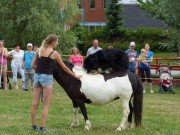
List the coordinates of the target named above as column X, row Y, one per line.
column 3, row 63
column 94, row 48
column 27, row 60
column 145, row 68
column 76, row 58
column 132, row 55
column 16, row 64
column 43, row 78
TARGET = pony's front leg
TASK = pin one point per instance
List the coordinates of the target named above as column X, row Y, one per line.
column 84, row 112
column 125, row 106
column 87, row 125
column 75, row 119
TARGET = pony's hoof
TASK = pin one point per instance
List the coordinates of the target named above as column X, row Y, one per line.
column 119, row 129
column 128, row 126
column 87, row 128
column 74, row 125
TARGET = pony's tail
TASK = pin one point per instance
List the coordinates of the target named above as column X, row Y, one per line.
column 138, row 103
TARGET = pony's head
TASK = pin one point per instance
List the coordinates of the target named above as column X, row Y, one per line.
column 90, row 63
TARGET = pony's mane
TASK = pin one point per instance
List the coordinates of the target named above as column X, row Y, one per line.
column 68, row 64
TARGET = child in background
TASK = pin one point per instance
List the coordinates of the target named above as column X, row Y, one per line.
column 142, row 57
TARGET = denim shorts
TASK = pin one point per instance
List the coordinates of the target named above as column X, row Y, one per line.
column 42, row 80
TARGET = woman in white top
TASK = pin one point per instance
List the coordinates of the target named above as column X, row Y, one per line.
column 16, row 64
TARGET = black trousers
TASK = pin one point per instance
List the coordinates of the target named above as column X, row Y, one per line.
column 146, row 71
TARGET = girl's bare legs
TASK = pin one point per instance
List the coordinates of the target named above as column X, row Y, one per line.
column 47, row 94
column 36, row 97
column 5, row 79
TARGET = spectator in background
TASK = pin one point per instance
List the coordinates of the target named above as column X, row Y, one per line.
column 145, row 68
column 76, row 58
column 35, row 48
column 3, row 63
column 27, row 60
column 94, row 48
column 132, row 55
column 16, row 64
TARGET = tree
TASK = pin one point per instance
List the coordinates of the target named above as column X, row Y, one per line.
column 114, row 24
column 168, row 11
column 24, row 21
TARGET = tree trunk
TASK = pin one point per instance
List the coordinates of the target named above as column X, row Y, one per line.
column 178, row 49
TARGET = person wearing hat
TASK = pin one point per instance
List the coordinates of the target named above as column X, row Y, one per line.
column 16, row 64
column 132, row 55
column 27, row 60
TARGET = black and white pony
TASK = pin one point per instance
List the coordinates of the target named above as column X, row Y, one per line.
column 102, row 89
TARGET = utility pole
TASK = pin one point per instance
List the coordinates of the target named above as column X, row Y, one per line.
column 83, row 12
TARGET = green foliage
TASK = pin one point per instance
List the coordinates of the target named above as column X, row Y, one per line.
column 168, row 11
column 172, row 44
column 154, row 36
column 114, row 24
column 32, row 20
column 67, row 40
column 81, row 33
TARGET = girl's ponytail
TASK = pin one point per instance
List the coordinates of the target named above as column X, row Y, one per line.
column 50, row 39
column 41, row 49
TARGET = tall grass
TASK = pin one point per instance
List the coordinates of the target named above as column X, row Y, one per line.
column 160, row 115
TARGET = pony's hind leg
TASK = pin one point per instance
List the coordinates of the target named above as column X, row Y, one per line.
column 125, row 106
column 129, row 122
column 75, row 119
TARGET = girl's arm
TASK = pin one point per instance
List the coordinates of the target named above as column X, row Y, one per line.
column 70, row 59
column 150, row 60
column 33, row 64
column 63, row 66
column 5, row 54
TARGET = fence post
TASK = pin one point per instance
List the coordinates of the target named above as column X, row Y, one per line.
column 138, row 73
column 157, row 62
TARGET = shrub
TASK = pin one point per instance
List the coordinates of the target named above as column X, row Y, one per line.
column 153, row 36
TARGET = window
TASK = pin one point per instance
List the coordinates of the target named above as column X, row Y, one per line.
column 106, row 3
column 92, row 3
column 79, row 3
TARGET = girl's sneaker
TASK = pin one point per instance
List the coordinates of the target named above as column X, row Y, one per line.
column 34, row 127
column 151, row 91
column 42, row 130
column 16, row 87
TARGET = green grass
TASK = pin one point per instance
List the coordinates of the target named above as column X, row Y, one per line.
column 160, row 115
column 166, row 55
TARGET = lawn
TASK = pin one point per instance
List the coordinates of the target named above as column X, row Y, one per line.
column 160, row 115
column 166, row 55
